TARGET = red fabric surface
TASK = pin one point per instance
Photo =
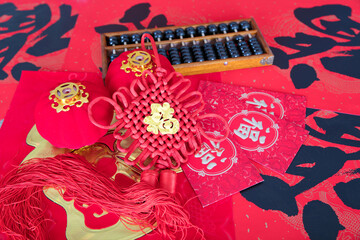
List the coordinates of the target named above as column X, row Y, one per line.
column 280, row 25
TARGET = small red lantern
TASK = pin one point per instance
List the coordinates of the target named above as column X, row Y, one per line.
column 61, row 114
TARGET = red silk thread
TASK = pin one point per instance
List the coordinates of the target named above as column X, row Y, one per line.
column 21, row 192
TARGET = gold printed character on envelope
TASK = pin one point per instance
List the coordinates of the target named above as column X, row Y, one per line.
column 161, row 119
column 67, row 95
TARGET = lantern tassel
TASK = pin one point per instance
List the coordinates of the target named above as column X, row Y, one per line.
column 21, row 193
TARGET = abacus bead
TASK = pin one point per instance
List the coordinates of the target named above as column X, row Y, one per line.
column 113, row 56
column 168, row 31
column 201, row 30
column 198, row 54
column 136, row 38
column 185, row 54
column 246, row 53
column 209, row 52
column 239, row 38
column 223, row 27
column 169, row 34
column 190, row 31
column 234, row 26
column 258, row 52
column 162, row 51
column 113, row 41
column 158, row 35
column 221, row 51
column 212, row 29
column 124, row 38
column 174, row 56
column 245, row 25
column 180, row 32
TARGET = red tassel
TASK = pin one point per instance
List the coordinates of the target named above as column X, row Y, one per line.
column 21, row 193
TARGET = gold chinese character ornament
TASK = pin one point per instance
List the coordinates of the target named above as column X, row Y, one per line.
column 161, row 119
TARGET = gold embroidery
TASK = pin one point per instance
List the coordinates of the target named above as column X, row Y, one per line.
column 137, row 62
column 67, row 95
column 161, row 119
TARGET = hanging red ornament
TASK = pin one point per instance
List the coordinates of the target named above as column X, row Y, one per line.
column 160, row 115
column 61, row 114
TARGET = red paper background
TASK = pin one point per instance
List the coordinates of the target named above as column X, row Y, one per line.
column 334, row 91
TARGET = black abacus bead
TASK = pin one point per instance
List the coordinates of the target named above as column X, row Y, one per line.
column 146, row 39
column 221, row 51
column 162, row 51
column 258, row 52
column 212, row 29
column 197, row 53
column 186, row 54
column 232, row 49
column 245, row 25
column 209, row 52
column 234, row 26
column 255, row 46
column 124, row 39
column 169, row 34
column 201, row 30
column 190, row 31
column 113, row 56
column 113, row 41
column 158, row 35
column 135, row 38
column 223, row 28
column 174, row 56
column 239, row 38
column 180, row 33
column 246, row 53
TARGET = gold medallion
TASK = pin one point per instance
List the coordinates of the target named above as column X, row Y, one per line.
column 67, row 95
column 137, row 62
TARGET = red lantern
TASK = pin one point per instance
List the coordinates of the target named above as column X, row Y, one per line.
column 61, row 114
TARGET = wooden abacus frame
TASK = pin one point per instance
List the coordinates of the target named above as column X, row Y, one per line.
column 193, row 68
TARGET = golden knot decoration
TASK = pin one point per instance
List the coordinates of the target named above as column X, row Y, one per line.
column 67, row 95
column 161, row 119
column 137, row 62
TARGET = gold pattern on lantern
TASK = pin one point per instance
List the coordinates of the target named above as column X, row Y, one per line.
column 161, row 119
column 137, row 62
column 67, row 95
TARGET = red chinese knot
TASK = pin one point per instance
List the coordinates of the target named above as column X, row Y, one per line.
column 132, row 105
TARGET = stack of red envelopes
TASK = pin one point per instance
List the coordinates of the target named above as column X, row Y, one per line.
column 265, row 127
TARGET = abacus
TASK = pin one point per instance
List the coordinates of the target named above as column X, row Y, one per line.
column 197, row 49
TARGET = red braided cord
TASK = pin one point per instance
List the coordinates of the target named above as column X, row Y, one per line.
column 134, row 104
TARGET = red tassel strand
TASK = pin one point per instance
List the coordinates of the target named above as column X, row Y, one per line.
column 21, row 194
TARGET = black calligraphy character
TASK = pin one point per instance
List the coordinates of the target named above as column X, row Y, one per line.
column 25, row 23
column 135, row 15
column 51, row 39
column 333, row 20
column 336, row 127
column 21, row 20
column 11, row 45
column 339, row 25
column 321, row 221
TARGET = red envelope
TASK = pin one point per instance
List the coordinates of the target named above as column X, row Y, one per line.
column 219, row 170
column 284, row 106
column 263, row 135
